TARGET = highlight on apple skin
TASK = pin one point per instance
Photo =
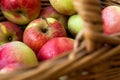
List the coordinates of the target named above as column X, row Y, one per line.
column 16, row 55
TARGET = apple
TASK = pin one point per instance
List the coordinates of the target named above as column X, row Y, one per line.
column 10, row 32
column 64, row 7
column 55, row 47
column 111, row 20
column 40, row 30
column 16, row 55
column 21, row 11
column 49, row 11
column 75, row 24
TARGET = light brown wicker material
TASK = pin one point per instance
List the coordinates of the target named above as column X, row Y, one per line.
column 95, row 58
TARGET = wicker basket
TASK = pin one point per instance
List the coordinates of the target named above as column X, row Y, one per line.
column 90, row 59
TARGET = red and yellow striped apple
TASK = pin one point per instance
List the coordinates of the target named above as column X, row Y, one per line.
column 21, row 11
column 16, row 55
column 40, row 30
column 10, row 32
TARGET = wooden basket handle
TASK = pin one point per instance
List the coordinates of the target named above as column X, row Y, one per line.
column 91, row 13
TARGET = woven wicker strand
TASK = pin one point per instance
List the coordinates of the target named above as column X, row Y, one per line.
column 93, row 21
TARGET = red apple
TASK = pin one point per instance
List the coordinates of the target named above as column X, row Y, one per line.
column 21, row 11
column 39, row 31
column 10, row 32
column 55, row 47
column 49, row 11
column 111, row 19
column 16, row 55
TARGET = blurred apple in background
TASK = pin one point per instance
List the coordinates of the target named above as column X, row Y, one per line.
column 16, row 55
column 64, row 7
column 21, row 11
column 55, row 47
column 75, row 24
column 49, row 11
column 111, row 20
column 39, row 31
column 10, row 32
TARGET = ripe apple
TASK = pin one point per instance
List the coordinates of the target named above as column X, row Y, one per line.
column 16, row 55
column 10, row 32
column 55, row 47
column 21, row 11
column 64, row 7
column 40, row 30
column 49, row 11
column 75, row 24
column 111, row 19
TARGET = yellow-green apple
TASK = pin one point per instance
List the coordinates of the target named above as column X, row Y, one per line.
column 55, row 47
column 111, row 20
column 10, row 32
column 75, row 24
column 16, row 55
column 64, row 7
column 21, row 11
column 49, row 11
column 40, row 30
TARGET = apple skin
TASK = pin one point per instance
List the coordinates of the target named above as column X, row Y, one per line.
column 21, row 11
column 55, row 47
column 40, row 30
column 75, row 24
column 64, row 7
column 16, row 55
column 49, row 11
column 111, row 20
column 10, row 32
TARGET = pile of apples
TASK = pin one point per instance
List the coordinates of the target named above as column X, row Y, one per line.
column 33, row 33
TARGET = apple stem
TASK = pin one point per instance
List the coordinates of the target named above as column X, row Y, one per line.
column 45, row 20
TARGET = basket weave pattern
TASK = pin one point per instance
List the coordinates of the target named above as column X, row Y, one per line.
column 91, row 59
